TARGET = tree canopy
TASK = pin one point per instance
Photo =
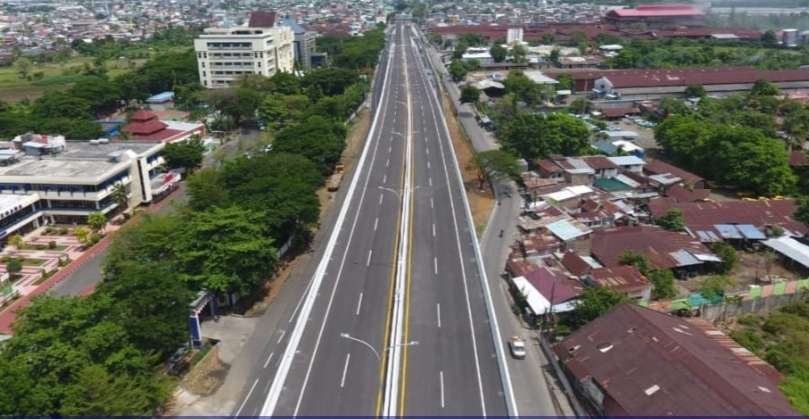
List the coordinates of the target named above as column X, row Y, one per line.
column 535, row 136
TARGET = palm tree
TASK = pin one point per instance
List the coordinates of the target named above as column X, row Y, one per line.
column 120, row 196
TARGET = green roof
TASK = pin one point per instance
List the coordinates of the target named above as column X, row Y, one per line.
column 611, row 185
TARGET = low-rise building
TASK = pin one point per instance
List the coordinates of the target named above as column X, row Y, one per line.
column 634, row 361
column 625, row 280
column 68, row 181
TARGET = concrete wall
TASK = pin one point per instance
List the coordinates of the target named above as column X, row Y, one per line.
column 729, row 310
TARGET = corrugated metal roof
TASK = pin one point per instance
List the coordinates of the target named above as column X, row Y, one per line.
column 565, row 231
column 750, row 232
column 728, row 231
column 790, row 248
column 684, row 258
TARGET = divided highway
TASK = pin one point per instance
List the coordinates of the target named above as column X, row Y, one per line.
column 395, row 315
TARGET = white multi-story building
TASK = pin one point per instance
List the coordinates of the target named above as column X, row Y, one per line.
column 226, row 54
column 45, row 179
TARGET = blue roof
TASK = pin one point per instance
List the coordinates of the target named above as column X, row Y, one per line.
column 564, row 230
column 750, row 231
column 161, row 97
column 728, row 231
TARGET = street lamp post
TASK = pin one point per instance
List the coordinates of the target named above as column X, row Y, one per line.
column 369, row 346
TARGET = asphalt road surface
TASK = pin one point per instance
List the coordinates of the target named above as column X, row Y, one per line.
column 330, row 357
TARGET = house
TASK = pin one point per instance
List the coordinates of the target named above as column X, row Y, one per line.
column 664, row 249
column 546, row 292
column 715, row 221
column 578, row 265
column 144, row 125
column 632, row 164
column 658, row 167
column 576, row 171
column 603, row 167
column 569, row 196
column 625, row 280
column 633, row 361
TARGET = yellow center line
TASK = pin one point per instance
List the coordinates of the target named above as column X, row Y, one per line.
column 389, row 314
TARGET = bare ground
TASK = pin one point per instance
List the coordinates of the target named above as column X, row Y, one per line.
column 750, row 268
column 481, row 201
column 207, row 375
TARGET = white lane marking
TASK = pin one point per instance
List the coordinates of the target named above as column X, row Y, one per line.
column 433, row 229
column 381, row 197
column 370, row 253
column 253, row 387
column 432, row 205
column 428, row 165
column 269, row 358
column 427, row 150
column 438, row 313
column 345, row 370
column 435, row 106
column 384, row 179
column 359, row 305
column 286, row 361
column 390, row 148
column 387, row 163
column 306, row 291
column 441, row 380
column 283, row 332
column 376, row 223
column 435, row 265
column 430, row 180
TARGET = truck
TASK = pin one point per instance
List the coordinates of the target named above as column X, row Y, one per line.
column 333, row 183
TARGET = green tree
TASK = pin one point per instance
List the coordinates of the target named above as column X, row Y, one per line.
column 23, row 66
column 694, row 90
column 796, row 124
column 728, row 255
column 493, row 165
column 594, row 302
column 518, row 54
column 457, row 70
column 120, row 196
column 672, row 220
column 17, row 241
column 97, row 221
column 83, row 235
column 206, row 189
column 14, row 266
column 565, row 82
column 662, row 284
column 498, row 53
column 185, row 155
column 769, row 40
column 152, row 304
column 533, row 136
column 57, row 104
column 150, row 241
column 802, row 210
column 764, row 88
column 225, row 250
column 522, row 87
column 320, row 140
column 715, row 286
column 103, row 95
column 470, row 94
column 581, row 106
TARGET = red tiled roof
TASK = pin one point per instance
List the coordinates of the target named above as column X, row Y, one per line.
column 655, row 243
column 575, row 264
column 704, row 215
column 658, row 10
column 548, row 166
column 649, row 363
column 703, row 76
column 262, row 19
column 620, row 278
column 163, row 135
column 142, row 115
column 144, row 128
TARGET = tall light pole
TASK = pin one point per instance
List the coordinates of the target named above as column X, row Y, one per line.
column 369, row 346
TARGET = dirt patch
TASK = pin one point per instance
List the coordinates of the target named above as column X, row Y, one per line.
column 481, row 201
column 206, row 377
column 354, row 142
column 751, row 269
